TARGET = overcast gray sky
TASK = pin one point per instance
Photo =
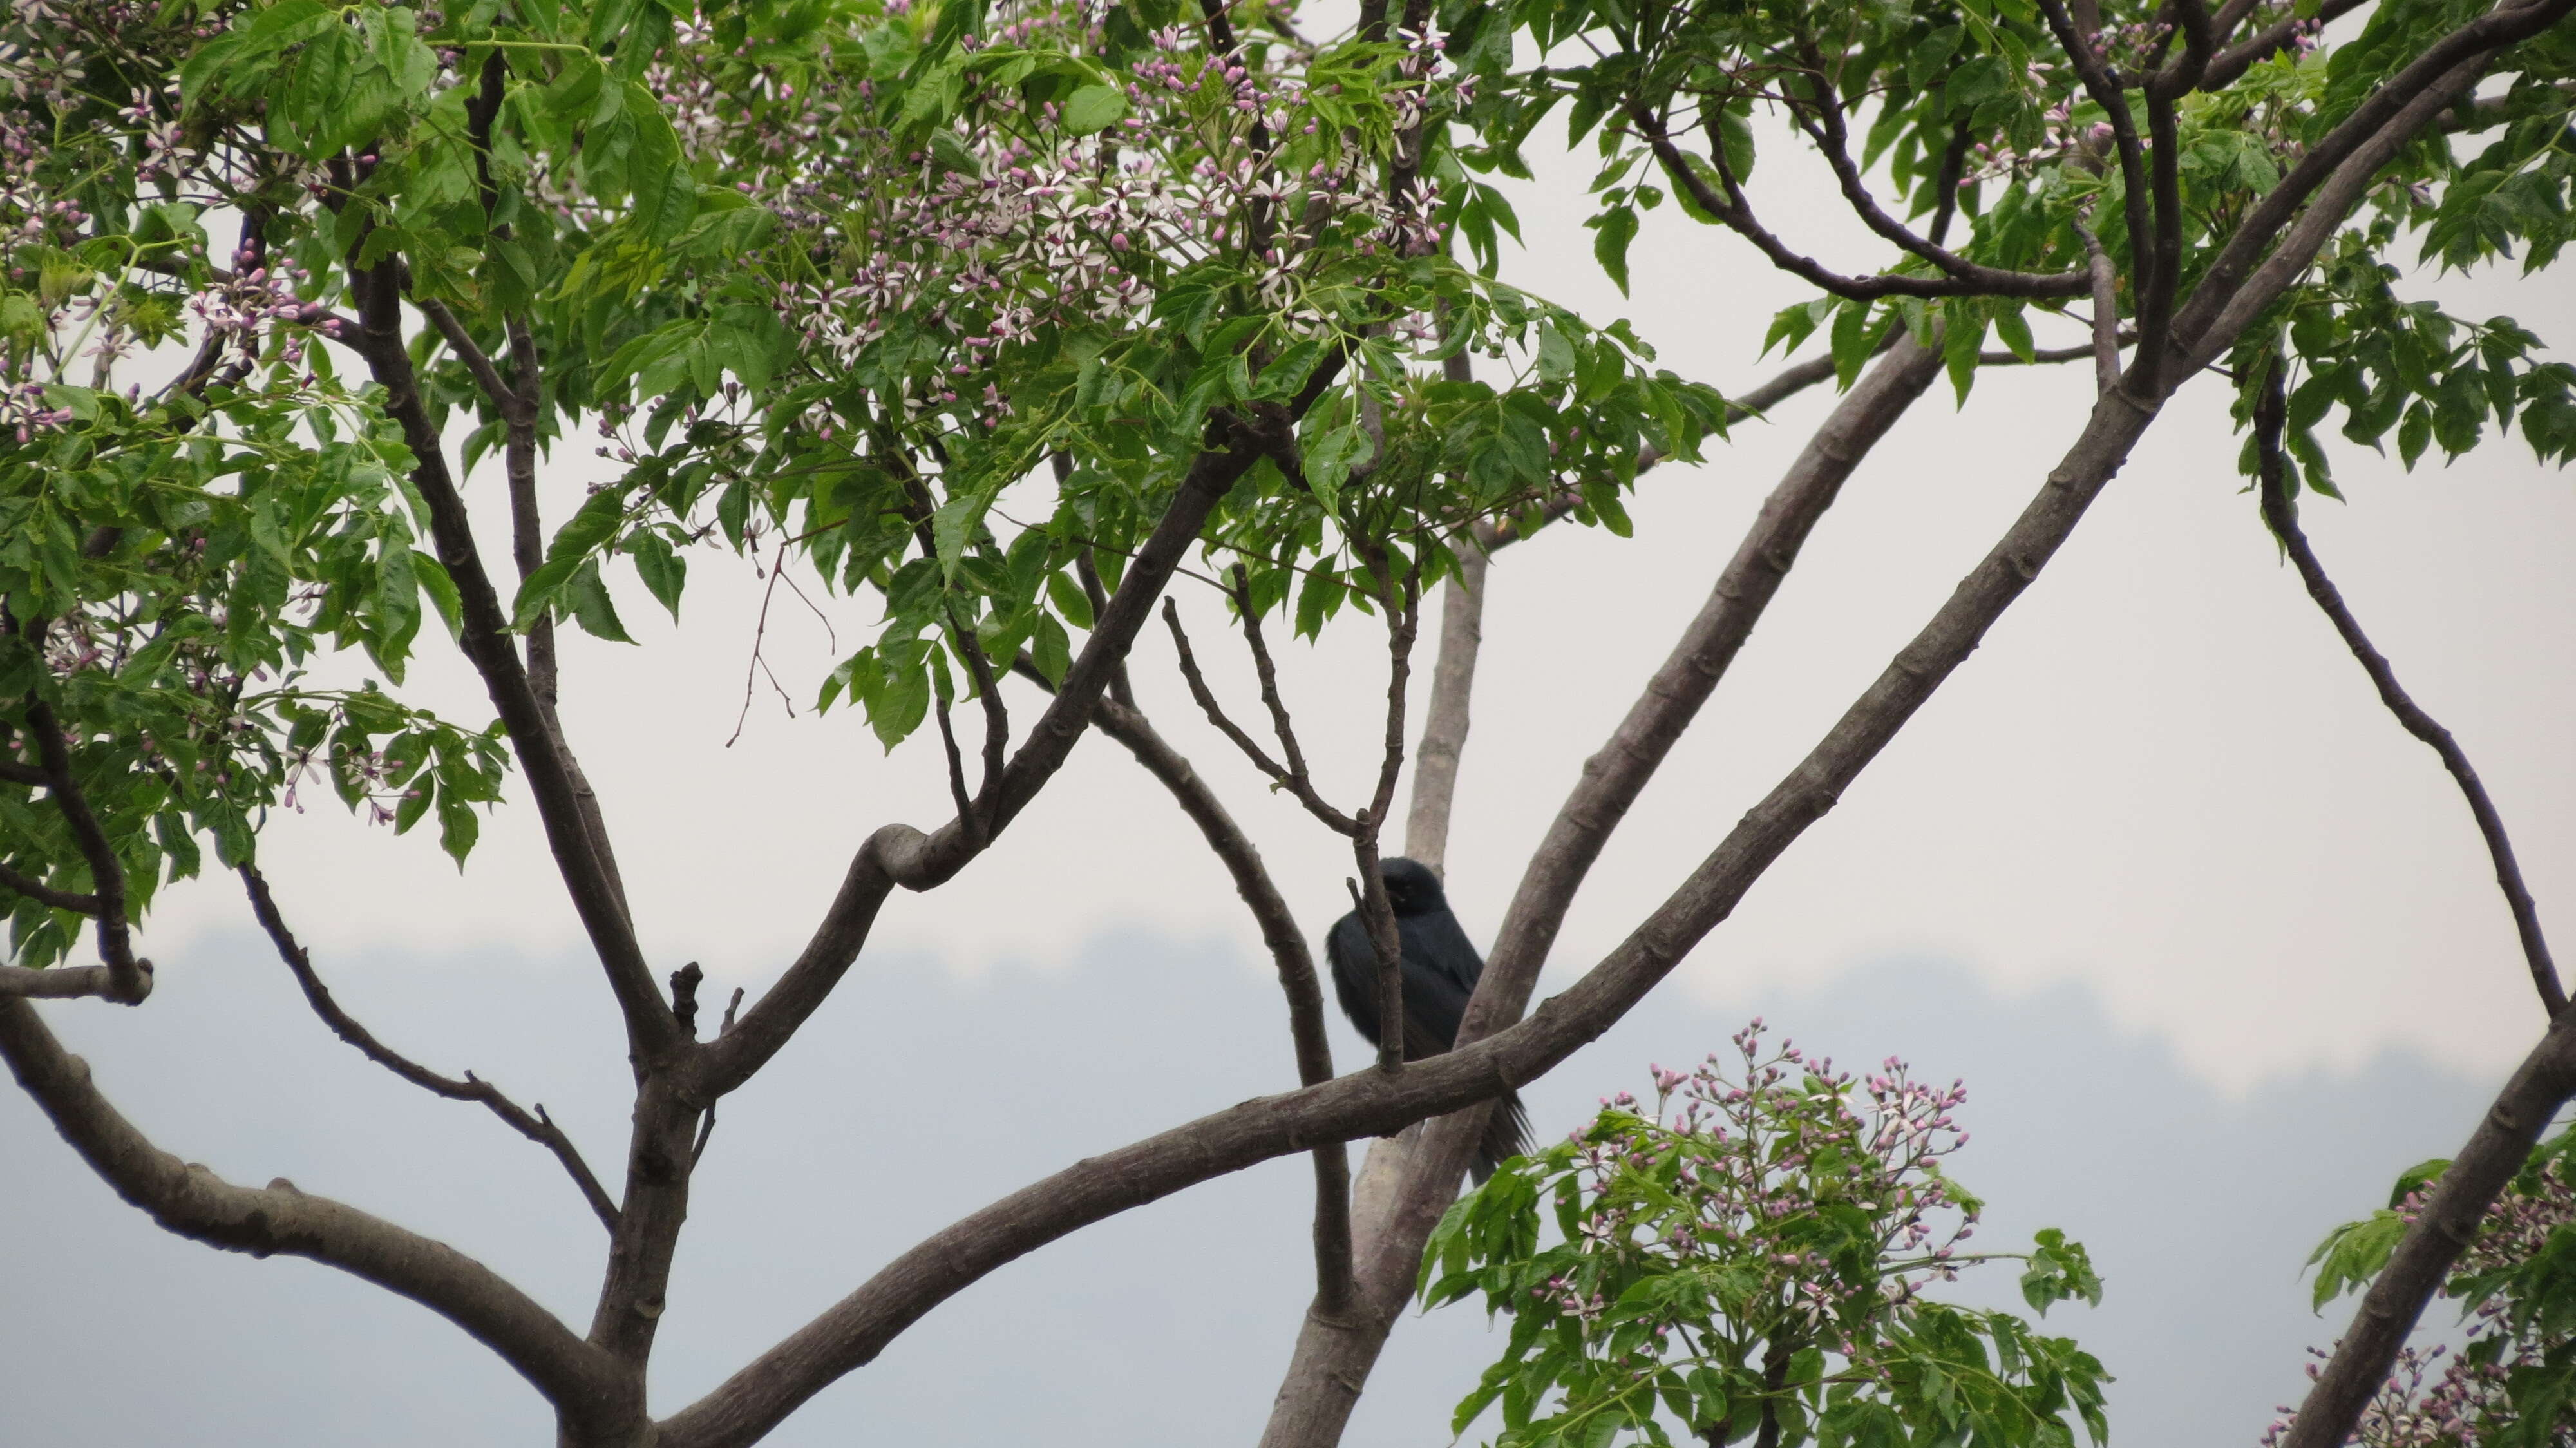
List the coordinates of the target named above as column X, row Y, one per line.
column 2212, row 939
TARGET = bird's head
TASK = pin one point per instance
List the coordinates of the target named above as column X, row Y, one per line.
column 1411, row 887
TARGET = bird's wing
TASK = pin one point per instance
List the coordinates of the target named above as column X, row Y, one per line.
column 1346, row 949
column 1435, row 998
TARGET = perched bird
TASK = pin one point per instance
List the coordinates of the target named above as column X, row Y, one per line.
column 1440, row 972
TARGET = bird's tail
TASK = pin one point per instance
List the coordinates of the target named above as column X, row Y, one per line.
column 1506, row 1136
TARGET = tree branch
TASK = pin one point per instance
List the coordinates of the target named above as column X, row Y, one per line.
column 581, row 852
column 1292, row 775
column 2281, row 513
column 901, row 855
column 856, row 1329
column 1822, row 119
column 2433, row 1242
column 1403, row 609
column 191, row 1201
column 2229, row 65
column 2104, row 88
column 1288, row 955
column 1445, row 720
column 44, row 894
column 132, row 977
column 64, row 982
column 2156, row 298
column 1732, row 209
column 539, row 1127
column 2240, row 281
column 505, row 400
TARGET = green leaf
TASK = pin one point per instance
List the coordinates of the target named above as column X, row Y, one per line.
column 2352, row 1254
column 2013, row 330
column 1737, row 133
column 441, row 589
column 591, row 607
column 664, row 572
column 1613, row 230
column 457, row 827
column 1093, row 108
column 598, row 521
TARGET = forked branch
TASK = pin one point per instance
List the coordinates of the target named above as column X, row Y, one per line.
column 536, row 1126
column 1729, row 206
column 580, row 1380
column 899, row 855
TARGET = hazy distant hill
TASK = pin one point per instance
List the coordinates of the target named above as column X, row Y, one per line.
column 919, row 1095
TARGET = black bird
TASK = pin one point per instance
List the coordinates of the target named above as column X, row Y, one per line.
column 1440, row 971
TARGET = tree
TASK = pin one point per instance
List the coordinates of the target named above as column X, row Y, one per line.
column 839, row 282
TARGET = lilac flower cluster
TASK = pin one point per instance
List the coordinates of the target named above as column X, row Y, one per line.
column 1753, row 1152
column 263, row 295
column 1011, row 224
column 54, row 134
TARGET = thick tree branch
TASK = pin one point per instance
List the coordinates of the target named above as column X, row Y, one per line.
column 2423, row 1258
column 65, row 982
column 1445, row 720
column 2281, row 513
column 853, row 1331
column 581, row 854
column 2155, row 285
column 538, row 1127
column 582, row 1382
column 2232, row 289
column 2164, row 89
column 1333, row 1357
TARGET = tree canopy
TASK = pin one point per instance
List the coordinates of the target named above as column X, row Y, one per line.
column 995, row 316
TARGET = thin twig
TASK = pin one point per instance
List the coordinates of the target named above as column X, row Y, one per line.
column 957, row 794
column 505, row 399
column 537, row 1127
column 1731, row 208
column 2106, row 312
column 2281, row 512
column 1267, row 672
column 759, row 635
column 44, row 894
column 1295, row 781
